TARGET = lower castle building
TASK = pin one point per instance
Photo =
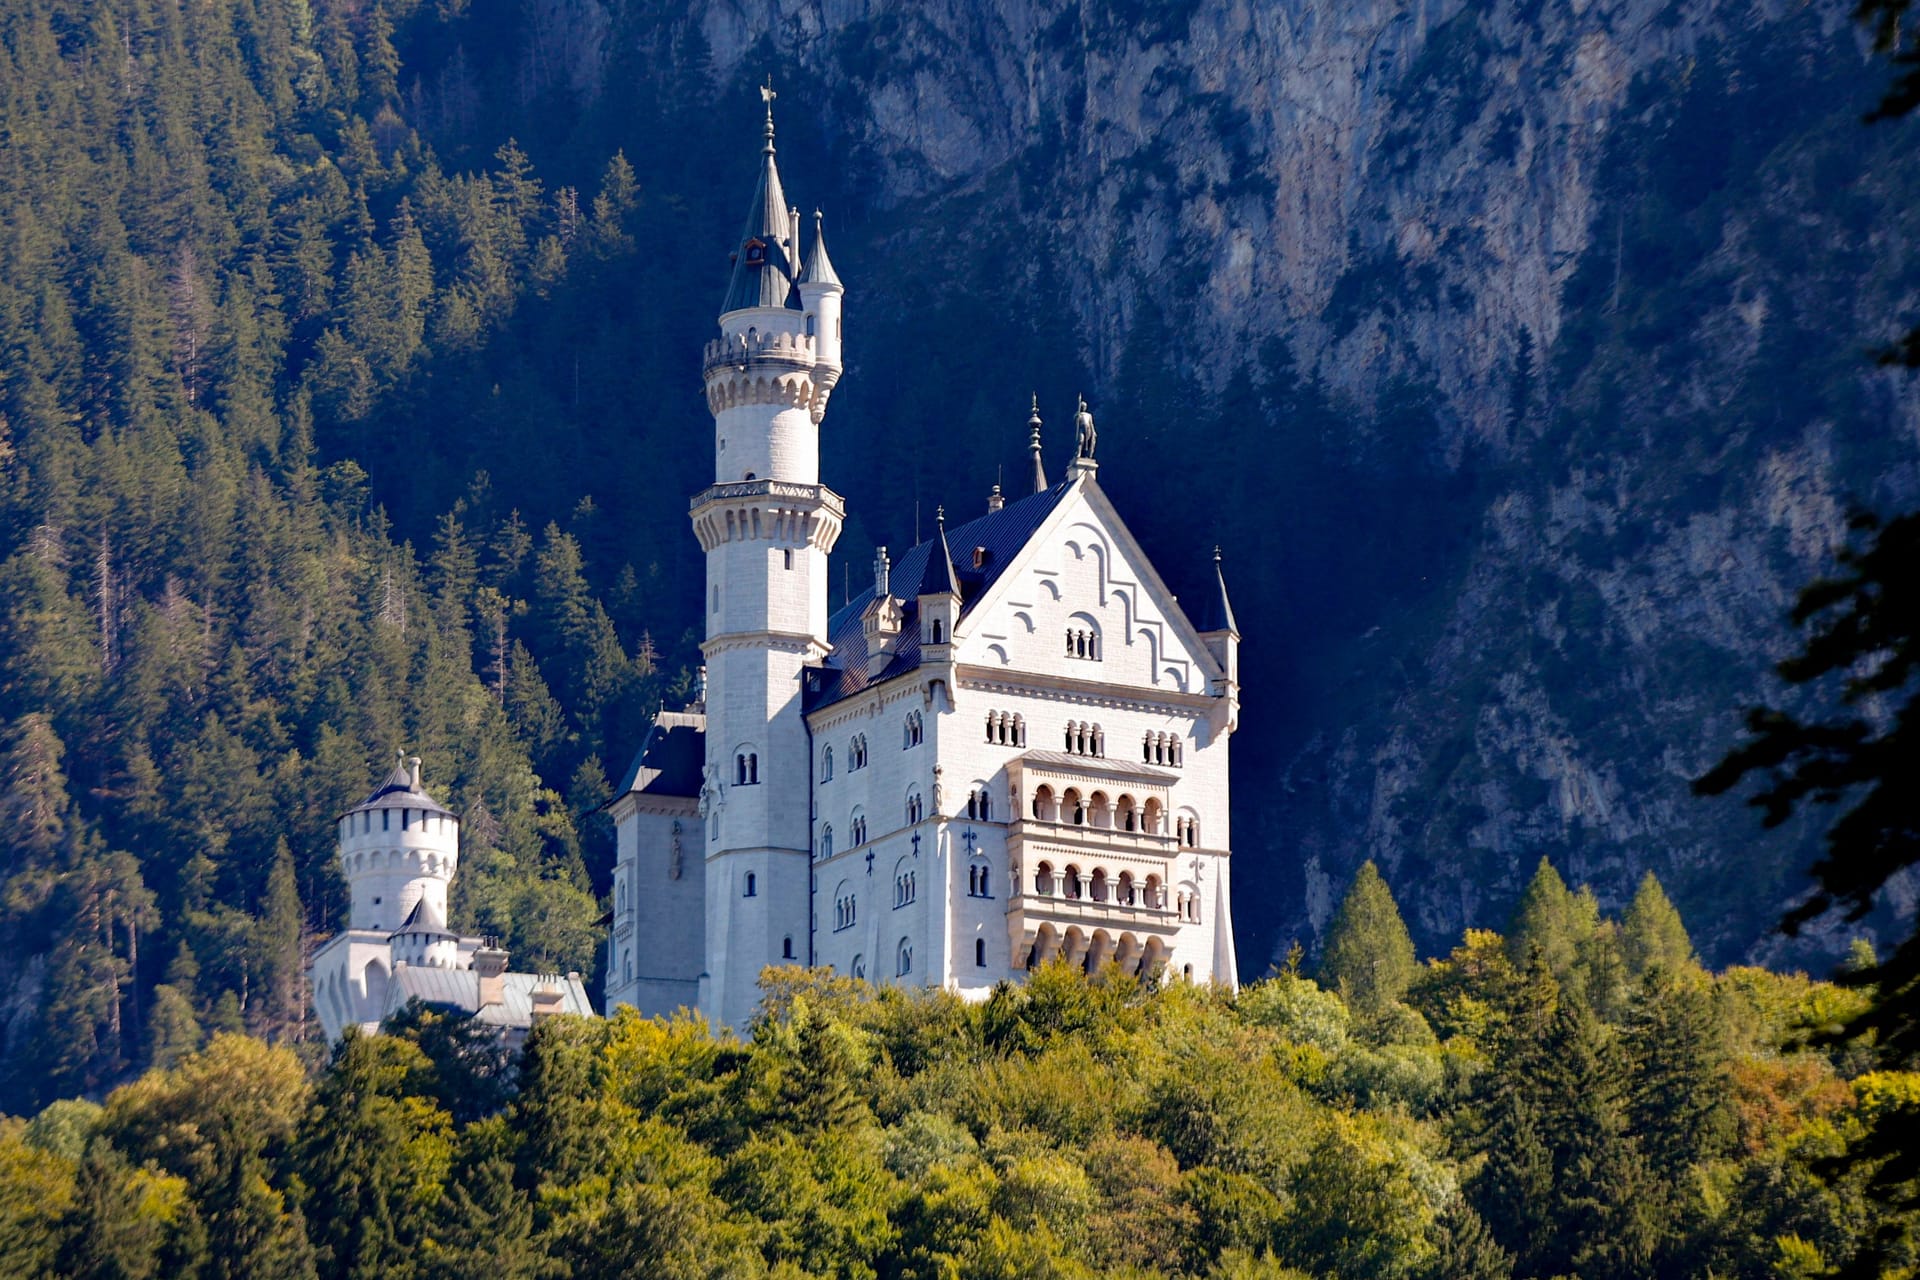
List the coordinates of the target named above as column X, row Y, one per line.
column 399, row 849
column 1012, row 746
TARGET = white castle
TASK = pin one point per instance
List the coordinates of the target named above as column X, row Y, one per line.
column 399, row 849
column 1013, row 746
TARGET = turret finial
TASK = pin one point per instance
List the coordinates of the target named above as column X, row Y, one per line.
column 767, row 95
column 1033, row 446
column 940, row 515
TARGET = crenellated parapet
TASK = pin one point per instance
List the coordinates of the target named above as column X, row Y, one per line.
column 778, row 368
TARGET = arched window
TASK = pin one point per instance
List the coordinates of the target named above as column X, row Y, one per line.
column 916, row 808
column 1043, row 880
column 903, row 885
column 786, row 947
column 857, row 833
column 1154, row 896
column 904, row 958
column 752, row 886
column 980, row 953
column 980, row 804
column 1128, row 817
column 1072, row 881
column 915, row 730
column 1043, row 803
column 857, row 752
column 937, row 633
column 826, row 841
column 979, row 884
column 1074, row 808
column 859, row 967
column 826, row 765
column 810, row 326
column 1099, row 810
column 1125, row 894
column 1097, row 885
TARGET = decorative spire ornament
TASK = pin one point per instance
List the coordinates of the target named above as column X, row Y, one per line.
column 1033, row 446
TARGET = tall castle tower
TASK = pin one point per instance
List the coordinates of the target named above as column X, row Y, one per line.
column 766, row 525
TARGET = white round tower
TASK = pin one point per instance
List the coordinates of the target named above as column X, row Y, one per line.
column 399, row 849
column 766, row 525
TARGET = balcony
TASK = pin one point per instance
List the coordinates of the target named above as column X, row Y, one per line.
column 1079, row 838
column 782, row 489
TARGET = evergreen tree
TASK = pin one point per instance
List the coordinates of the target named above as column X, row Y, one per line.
column 485, row 1227
column 1369, row 957
column 278, row 988
column 1652, row 934
column 372, row 1156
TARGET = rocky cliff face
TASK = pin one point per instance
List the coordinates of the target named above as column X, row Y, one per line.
column 1515, row 350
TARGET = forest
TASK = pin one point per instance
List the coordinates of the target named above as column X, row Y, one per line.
column 1578, row 1097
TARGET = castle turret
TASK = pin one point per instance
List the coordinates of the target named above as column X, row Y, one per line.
column 766, row 525
column 398, row 847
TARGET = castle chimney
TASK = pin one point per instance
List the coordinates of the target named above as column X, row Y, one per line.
column 413, row 771
column 547, row 1000
column 490, row 966
column 882, row 572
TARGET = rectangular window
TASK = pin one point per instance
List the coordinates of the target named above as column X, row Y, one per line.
column 789, row 555
column 386, row 819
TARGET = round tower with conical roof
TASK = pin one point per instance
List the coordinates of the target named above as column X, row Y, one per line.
column 766, row 525
column 399, row 849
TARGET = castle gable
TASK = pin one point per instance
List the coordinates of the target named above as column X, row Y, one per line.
column 1081, row 599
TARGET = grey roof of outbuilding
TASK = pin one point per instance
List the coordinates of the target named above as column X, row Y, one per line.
column 670, row 760
column 397, row 793
column 999, row 534
column 771, row 283
column 460, row 989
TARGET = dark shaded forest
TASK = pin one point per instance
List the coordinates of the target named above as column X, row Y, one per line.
column 1578, row 1097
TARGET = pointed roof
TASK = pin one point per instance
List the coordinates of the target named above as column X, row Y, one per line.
column 397, row 792
column 819, row 268
column 670, row 759
column 424, row 919
column 763, row 264
column 938, row 577
column 1218, row 613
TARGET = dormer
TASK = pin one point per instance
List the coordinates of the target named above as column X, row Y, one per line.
column 939, row 597
column 884, row 619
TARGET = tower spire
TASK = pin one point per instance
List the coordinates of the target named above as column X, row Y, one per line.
column 1033, row 446
column 766, row 257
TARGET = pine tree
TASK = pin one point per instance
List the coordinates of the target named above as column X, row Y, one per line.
column 277, row 1006
column 371, row 1155
column 1369, row 958
column 1652, row 934
column 486, row 1228
column 1556, row 923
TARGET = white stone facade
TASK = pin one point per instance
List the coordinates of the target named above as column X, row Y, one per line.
column 1021, row 753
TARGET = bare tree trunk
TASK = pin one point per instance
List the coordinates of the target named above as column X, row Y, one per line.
column 103, row 597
